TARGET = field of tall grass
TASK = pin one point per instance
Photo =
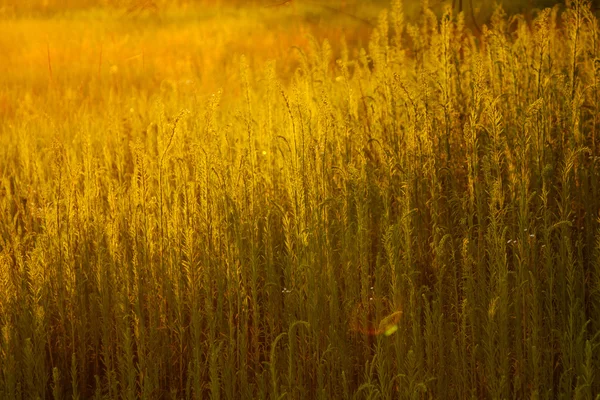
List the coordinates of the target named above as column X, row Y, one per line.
column 219, row 204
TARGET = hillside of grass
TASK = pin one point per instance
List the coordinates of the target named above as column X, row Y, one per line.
column 237, row 203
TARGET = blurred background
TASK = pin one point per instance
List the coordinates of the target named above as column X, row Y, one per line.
column 77, row 48
column 352, row 8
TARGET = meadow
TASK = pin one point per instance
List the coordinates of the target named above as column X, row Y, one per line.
column 224, row 202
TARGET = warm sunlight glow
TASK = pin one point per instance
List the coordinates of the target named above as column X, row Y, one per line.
column 302, row 199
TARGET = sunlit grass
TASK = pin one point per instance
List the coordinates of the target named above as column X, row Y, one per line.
column 214, row 203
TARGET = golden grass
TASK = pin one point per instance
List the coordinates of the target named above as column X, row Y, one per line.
column 410, row 216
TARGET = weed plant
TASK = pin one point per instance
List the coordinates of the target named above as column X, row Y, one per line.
column 416, row 219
